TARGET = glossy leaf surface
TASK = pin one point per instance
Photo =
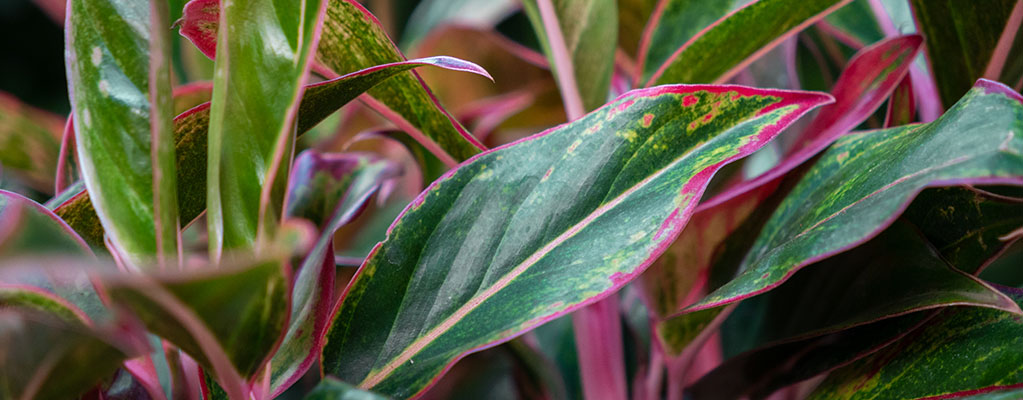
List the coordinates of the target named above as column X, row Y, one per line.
column 961, row 351
column 961, row 37
column 584, row 48
column 29, row 142
column 728, row 45
column 864, row 181
column 628, row 161
column 190, row 138
column 119, row 75
column 252, row 116
column 328, row 190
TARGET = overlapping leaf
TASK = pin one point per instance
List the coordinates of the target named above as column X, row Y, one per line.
column 119, row 74
column 470, row 275
column 329, row 190
column 683, row 273
column 864, row 181
column 962, row 351
column 728, row 45
column 190, row 138
column 672, row 24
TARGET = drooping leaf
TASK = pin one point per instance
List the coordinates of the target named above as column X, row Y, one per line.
column 672, row 24
column 47, row 358
column 29, row 142
column 728, row 45
column 627, row 161
column 961, row 38
column 329, row 190
column 961, row 351
column 119, row 75
column 332, row 389
column 862, row 182
column 190, row 137
column 579, row 38
column 252, row 117
column 238, row 312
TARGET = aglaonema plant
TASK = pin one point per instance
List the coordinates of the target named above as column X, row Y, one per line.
column 633, row 199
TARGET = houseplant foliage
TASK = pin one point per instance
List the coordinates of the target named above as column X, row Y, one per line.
column 558, row 199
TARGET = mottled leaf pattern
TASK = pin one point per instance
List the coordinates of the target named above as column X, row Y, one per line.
column 644, row 158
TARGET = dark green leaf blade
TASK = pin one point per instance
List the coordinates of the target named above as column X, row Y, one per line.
column 961, row 37
column 864, row 181
column 961, row 351
column 672, row 24
column 581, row 179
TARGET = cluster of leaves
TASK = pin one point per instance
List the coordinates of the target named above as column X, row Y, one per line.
column 676, row 229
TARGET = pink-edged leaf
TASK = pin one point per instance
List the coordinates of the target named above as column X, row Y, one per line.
column 974, row 142
column 329, row 190
column 576, row 212
column 673, row 22
column 252, row 117
column 190, row 135
column 725, row 47
column 118, row 69
column 354, row 40
column 680, row 277
column 29, row 142
column 24, row 223
column 67, row 163
column 202, row 313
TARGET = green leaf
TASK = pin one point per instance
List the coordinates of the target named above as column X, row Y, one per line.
column 38, row 300
column 579, row 40
column 256, row 94
column 480, row 245
column 190, row 138
column 329, row 190
column 959, row 216
column 961, row 351
column 961, row 38
column 728, row 222
column 728, row 45
column 672, row 24
column 332, row 389
column 863, row 181
column 119, row 76
column 29, row 142
column 235, row 312
column 46, row 358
